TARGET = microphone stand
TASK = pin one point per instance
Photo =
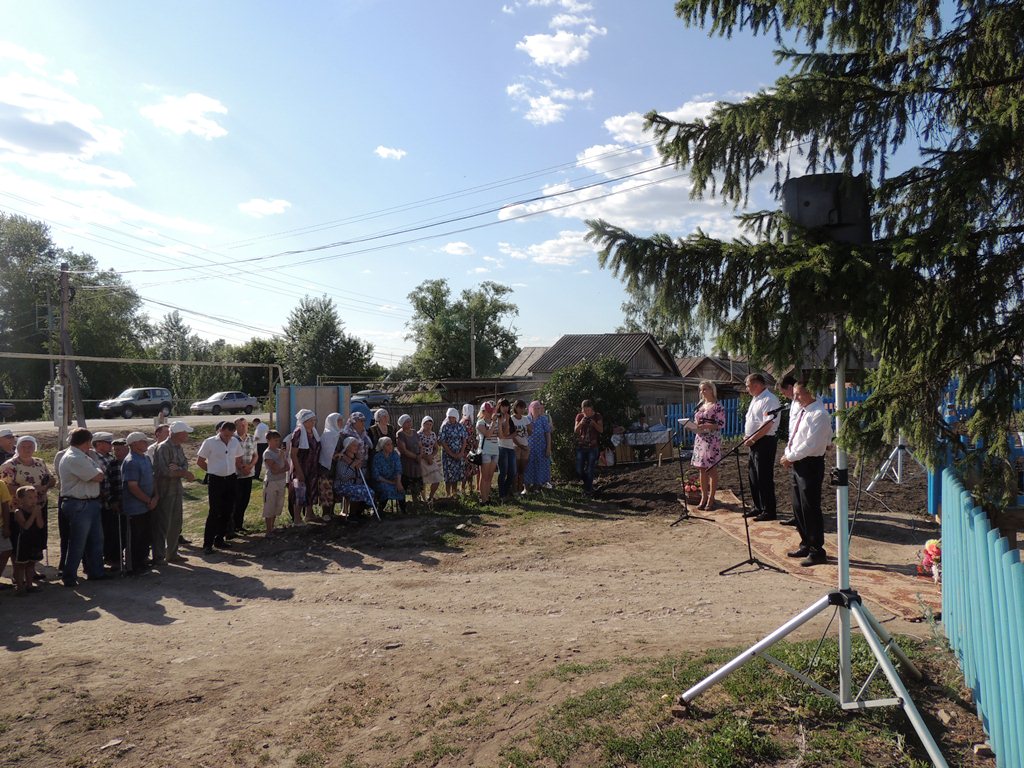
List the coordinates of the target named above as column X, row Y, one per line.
column 751, row 559
column 682, row 479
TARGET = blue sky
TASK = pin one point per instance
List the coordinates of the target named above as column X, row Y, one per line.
column 207, row 150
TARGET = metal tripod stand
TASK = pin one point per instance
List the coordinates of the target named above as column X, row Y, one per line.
column 894, row 463
column 848, row 603
column 685, row 515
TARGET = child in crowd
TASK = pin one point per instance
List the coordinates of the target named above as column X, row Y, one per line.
column 274, row 487
column 27, row 537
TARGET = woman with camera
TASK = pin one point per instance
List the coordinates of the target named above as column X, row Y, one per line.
column 588, row 429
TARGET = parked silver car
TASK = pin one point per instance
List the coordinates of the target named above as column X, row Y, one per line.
column 138, row 401
column 232, row 402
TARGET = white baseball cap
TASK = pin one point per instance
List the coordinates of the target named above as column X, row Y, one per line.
column 136, row 437
column 180, row 426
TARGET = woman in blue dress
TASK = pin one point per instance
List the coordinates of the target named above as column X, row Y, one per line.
column 348, row 478
column 452, row 440
column 538, row 467
column 387, row 473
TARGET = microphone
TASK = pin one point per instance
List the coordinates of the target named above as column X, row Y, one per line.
column 776, row 411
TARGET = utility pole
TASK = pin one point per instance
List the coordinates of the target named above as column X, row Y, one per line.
column 70, row 373
column 472, row 347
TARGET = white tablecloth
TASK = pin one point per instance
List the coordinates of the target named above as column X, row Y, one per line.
column 642, row 438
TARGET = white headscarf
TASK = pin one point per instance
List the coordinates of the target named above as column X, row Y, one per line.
column 329, row 439
column 301, row 418
column 404, row 419
column 451, row 413
column 378, row 414
column 469, row 412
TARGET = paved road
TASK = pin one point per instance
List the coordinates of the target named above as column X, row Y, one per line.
column 116, row 426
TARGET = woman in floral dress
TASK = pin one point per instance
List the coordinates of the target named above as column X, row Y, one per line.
column 707, row 442
column 538, row 466
column 452, row 439
column 470, row 470
column 25, row 469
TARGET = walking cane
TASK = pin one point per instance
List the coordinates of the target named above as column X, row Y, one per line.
column 373, row 504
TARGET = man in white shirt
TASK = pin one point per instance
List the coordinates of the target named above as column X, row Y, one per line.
column 786, row 390
column 159, row 435
column 220, row 456
column 759, row 436
column 809, row 438
column 80, row 480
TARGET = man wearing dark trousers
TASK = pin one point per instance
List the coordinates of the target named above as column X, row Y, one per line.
column 759, row 436
column 786, row 390
column 809, row 438
column 220, row 456
column 138, row 500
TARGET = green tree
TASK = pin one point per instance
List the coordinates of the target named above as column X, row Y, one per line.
column 442, row 329
column 175, row 340
column 315, row 344
column 104, row 319
column 938, row 294
column 606, row 383
column 643, row 314
column 257, row 350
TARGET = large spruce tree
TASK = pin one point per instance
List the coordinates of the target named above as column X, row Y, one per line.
column 926, row 99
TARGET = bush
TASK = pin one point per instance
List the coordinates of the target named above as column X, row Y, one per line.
column 604, row 382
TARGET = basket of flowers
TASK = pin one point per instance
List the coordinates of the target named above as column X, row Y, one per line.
column 931, row 560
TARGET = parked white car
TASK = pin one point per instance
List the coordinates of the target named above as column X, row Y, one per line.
column 232, row 402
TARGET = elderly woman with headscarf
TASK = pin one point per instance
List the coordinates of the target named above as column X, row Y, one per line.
column 330, row 447
column 538, row 466
column 430, row 458
column 408, row 445
column 381, row 427
column 305, row 455
column 453, row 441
column 348, row 477
column 387, row 473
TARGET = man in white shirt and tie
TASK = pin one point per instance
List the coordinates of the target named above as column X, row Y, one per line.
column 809, row 438
column 759, row 435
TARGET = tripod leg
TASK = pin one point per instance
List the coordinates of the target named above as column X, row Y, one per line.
column 905, row 663
column 723, row 672
column 884, row 469
column 927, row 741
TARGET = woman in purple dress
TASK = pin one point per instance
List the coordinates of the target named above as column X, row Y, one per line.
column 707, row 442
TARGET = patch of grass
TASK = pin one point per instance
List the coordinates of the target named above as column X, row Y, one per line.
column 310, row 759
column 756, row 716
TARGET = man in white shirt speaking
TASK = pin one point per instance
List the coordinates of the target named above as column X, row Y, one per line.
column 759, row 435
column 809, row 438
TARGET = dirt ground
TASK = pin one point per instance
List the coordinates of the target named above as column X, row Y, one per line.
column 422, row 640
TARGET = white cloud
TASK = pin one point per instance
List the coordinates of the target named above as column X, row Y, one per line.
column 564, row 250
column 45, row 129
column 572, row 6
column 258, row 207
column 561, row 49
column 33, row 61
column 563, row 20
column 544, row 109
column 188, row 114
column 478, row 271
column 389, row 153
column 614, row 159
column 458, row 249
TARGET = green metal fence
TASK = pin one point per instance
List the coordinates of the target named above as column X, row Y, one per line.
column 983, row 617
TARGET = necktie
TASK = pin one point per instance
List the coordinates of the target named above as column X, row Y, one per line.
column 792, row 432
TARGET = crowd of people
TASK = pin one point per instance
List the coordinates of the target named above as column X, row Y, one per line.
column 119, row 501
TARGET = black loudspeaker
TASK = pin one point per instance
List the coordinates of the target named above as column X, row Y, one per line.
column 831, row 204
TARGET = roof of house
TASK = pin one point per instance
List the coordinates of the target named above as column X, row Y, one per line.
column 521, row 365
column 574, row 348
column 730, row 366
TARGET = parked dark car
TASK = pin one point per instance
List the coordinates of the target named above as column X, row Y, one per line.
column 232, row 402
column 6, row 411
column 372, row 398
column 138, row 401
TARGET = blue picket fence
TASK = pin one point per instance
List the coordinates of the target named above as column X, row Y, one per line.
column 674, row 412
column 983, row 617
